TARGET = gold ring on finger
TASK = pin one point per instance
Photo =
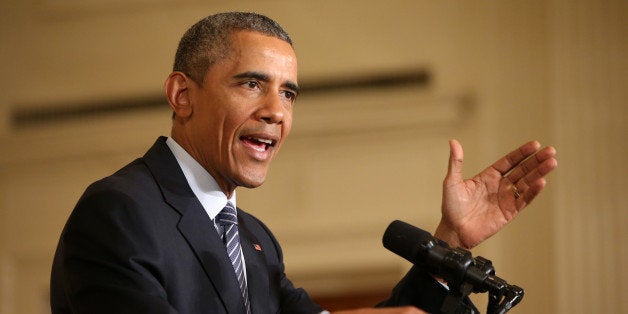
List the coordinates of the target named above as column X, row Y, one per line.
column 515, row 191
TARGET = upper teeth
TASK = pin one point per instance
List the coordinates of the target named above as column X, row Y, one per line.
column 265, row 141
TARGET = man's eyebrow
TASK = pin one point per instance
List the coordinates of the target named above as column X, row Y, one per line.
column 254, row 75
column 293, row 86
column 265, row 78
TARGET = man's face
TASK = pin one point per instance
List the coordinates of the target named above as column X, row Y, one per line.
column 243, row 111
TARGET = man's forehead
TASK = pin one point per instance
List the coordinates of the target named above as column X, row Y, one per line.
column 260, row 50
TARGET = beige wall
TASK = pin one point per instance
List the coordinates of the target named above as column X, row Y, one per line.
column 503, row 72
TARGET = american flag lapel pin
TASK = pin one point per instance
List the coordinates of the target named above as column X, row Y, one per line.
column 257, row 247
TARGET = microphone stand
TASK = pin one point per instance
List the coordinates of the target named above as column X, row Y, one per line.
column 465, row 274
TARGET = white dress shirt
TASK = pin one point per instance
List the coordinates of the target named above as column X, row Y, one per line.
column 204, row 186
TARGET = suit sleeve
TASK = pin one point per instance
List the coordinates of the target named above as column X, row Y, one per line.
column 99, row 267
column 418, row 288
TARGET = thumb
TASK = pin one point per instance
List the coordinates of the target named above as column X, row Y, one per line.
column 454, row 172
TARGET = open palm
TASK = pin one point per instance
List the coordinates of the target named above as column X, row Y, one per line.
column 476, row 208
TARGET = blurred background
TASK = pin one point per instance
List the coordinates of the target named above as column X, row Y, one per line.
column 386, row 84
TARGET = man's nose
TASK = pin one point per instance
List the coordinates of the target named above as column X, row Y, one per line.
column 272, row 109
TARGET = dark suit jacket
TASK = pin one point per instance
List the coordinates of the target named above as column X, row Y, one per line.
column 139, row 241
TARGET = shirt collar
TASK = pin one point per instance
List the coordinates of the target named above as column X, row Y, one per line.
column 201, row 182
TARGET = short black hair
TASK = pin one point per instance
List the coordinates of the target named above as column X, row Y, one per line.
column 208, row 40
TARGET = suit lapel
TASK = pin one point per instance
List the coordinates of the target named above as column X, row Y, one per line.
column 212, row 254
column 195, row 225
column 256, row 268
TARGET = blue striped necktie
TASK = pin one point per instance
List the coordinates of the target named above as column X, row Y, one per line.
column 228, row 219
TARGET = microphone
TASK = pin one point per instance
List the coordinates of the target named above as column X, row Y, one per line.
column 456, row 266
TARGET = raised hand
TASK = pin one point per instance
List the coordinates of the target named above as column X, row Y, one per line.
column 476, row 208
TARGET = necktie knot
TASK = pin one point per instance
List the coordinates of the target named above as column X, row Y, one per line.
column 227, row 216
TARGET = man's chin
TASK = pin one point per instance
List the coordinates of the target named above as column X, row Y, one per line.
column 251, row 186
column 252, row 181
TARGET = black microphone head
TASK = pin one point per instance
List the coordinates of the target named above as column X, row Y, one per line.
column 404, row 239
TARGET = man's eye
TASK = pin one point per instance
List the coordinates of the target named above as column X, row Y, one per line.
column 251, row 84
column 290, row 95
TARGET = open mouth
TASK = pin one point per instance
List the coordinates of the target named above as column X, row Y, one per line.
column 258, row 143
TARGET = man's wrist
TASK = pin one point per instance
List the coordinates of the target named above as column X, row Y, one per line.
column 445, row 233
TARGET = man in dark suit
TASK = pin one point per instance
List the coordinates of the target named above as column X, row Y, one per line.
column 152, row 237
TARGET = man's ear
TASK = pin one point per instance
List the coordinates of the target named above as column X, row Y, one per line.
column 177, row 91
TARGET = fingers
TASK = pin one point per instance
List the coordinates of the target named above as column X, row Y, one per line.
column 528, row 178
column 525, row 169
column 456, row 155
column 534, row 167
column 506, row 163
column 533, row 190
